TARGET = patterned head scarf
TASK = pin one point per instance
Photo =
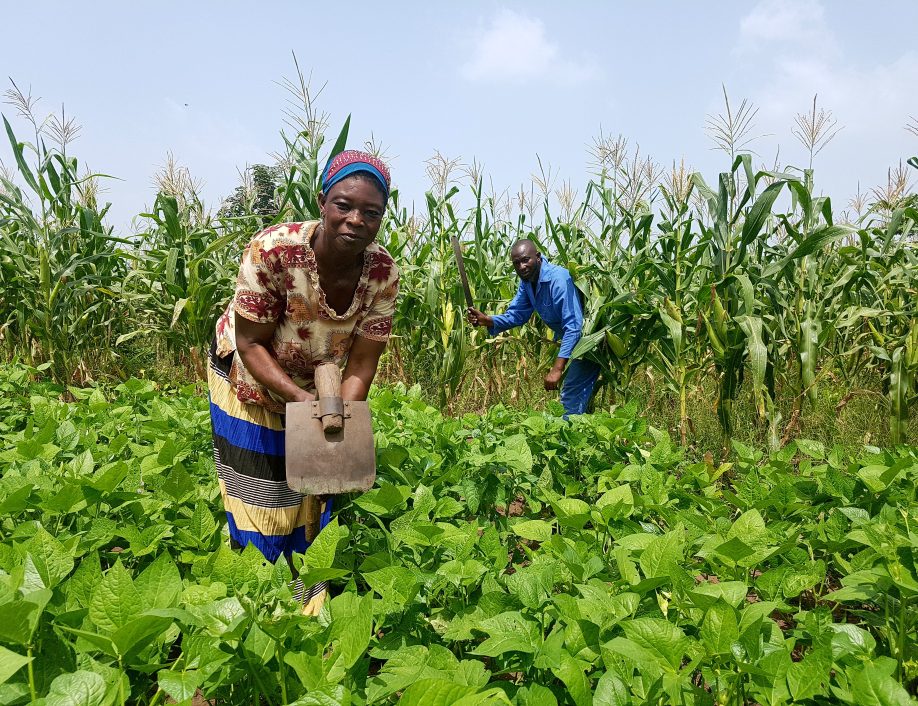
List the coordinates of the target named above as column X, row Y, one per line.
column 348, row 162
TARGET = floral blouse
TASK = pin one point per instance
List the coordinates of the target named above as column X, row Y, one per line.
column 279, row 282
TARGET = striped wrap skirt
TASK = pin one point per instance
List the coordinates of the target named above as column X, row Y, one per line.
column 260, row 508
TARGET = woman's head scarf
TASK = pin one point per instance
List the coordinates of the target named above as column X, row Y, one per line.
column 349, row 162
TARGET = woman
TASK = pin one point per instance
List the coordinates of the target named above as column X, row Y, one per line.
column 307, row 293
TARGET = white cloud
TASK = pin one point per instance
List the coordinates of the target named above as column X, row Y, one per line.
column 792, row 45
column 783, row 21
column 516, row 48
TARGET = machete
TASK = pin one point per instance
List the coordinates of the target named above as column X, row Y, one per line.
column 457, row 251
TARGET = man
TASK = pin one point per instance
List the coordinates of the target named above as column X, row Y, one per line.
column 549, row 290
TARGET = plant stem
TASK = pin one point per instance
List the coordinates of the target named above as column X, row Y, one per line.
column 903, row 630
column 283, row 671
column 121, row 683
column 31, row 675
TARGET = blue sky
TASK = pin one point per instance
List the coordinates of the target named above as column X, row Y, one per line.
column 497, row 81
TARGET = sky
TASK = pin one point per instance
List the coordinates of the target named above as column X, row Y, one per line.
column 505, row 83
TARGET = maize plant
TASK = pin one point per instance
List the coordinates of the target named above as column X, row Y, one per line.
column 60, row 267
column 749, row 283
column 184, row 274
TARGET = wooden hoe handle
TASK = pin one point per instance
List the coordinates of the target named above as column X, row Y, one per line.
column 313, row 516
column 328, row 394
column 328, row 387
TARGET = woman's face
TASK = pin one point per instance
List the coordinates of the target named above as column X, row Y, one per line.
column 352, row 210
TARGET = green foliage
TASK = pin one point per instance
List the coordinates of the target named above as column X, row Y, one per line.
column 60, row 267
column 256, row 195
column 507, row 558
column 752, row 282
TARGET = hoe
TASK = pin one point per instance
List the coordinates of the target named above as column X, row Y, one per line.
column 329, row 445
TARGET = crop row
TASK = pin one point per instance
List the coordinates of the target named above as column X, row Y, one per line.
column 506, row 558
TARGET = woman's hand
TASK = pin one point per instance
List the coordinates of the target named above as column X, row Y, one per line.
column 304, row 396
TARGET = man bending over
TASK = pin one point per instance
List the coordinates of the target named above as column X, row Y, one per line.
column 548, row 290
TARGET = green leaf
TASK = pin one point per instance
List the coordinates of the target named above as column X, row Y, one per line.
column 116, row 601
column 734, row 549
column 471, row 672
column 759, row 213
column 532, row 584
column 807, row 678
column 571, row 512
column 515, row 453
column 819, row 239
column 10, row 663
column 202, row 524
column 19, row 618
column 20, row 160
column 851, row 640
column 99, row 642
column 17, row 500
column 138, row 633
column 439, row 692
column 630, row 649
column 414, row 662
column 383, row 500
column 662, row 556
column 733, row 593
column 871, row 687
column 314, row 576
column 181, row 686
column 719, row 629
column 813, row 449
column 81, row 688
column 536, row 695
column 160, row 584
column 535, row 530
column 395, row 584
column 611, row 691
column 87, row 576
column 750, row 528
column 47, row 563
column 571, row 672
column 354, row 618
column 509, row 632
column 321, row 553
column 660, row 637
column 619, row 499
column 462, row 573
column 626, row 567
column 336, row 695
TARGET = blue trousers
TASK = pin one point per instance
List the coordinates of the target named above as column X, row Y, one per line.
column 577, row 388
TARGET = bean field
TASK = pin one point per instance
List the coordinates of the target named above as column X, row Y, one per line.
column 504, row 558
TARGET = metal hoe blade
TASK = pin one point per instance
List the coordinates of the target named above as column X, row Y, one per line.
column 329, row 463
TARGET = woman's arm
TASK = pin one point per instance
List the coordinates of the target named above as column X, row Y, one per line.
column 362, row 361
column 252, row 341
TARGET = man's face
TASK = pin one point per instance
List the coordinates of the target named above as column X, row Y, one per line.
column 527, row 261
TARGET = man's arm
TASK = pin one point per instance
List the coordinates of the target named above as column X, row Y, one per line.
column 517, row 314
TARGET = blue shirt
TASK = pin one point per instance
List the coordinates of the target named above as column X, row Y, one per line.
column 555, row 299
